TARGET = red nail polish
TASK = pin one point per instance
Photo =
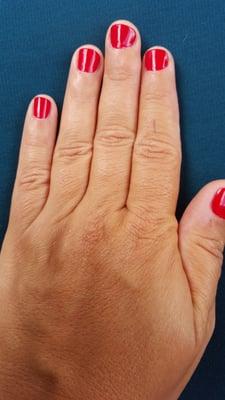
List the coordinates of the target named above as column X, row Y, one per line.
column 218, row 203
column 122, row 36
column 42, row 107
column 88, row 60
column 156, row 59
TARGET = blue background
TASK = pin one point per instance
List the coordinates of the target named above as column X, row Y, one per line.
column 37, row 39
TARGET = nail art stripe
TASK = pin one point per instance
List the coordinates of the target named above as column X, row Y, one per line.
column 41, row 107
column 156, row 59
column 122, row 35
column 88, row 60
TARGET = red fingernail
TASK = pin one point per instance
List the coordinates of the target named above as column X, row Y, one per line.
column 88, row 60
column 42, row 107
column 218, row 203
column 122, row 36
column 156, row 59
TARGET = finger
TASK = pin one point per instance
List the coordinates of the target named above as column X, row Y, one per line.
column 117, row 117
column 73, row 150
column 33, row 175
column 201, row 241
column 157, row 152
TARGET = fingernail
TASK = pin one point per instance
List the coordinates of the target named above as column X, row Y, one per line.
column 218, row 203
column 156, row 59
column 88, row 60
column 122, row 35
column 42, row 107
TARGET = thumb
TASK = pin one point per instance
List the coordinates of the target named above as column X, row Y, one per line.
column 201, row 243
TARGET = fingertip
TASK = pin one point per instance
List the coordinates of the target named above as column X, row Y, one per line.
column 206, row 211
column 218, row 200
column 122, row 34
column 42, row 107
column 158, row 59
column 41, row 119
column 87, row 58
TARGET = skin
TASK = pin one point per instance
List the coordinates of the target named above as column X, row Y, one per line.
column 103, row 294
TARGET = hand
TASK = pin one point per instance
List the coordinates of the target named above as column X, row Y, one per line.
column 103, row 295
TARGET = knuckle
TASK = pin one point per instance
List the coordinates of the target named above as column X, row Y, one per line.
column 68, row 152
column 159, row 149
column 121, row 71
column 157, row 97
column 115, row 135
column 213, row 247
column 93, row 232
column 209, row 243
column 137, row 229
column 145, row 224
column 32, row 178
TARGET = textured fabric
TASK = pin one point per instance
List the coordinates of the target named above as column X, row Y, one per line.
column 37, row 39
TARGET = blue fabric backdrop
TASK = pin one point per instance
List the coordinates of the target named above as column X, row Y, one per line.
column 37, row 39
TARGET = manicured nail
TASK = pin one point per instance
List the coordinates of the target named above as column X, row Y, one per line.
column 122, row 36
column 88, row 60
column 42, row 107
column 218, row 203
column 156, row 59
